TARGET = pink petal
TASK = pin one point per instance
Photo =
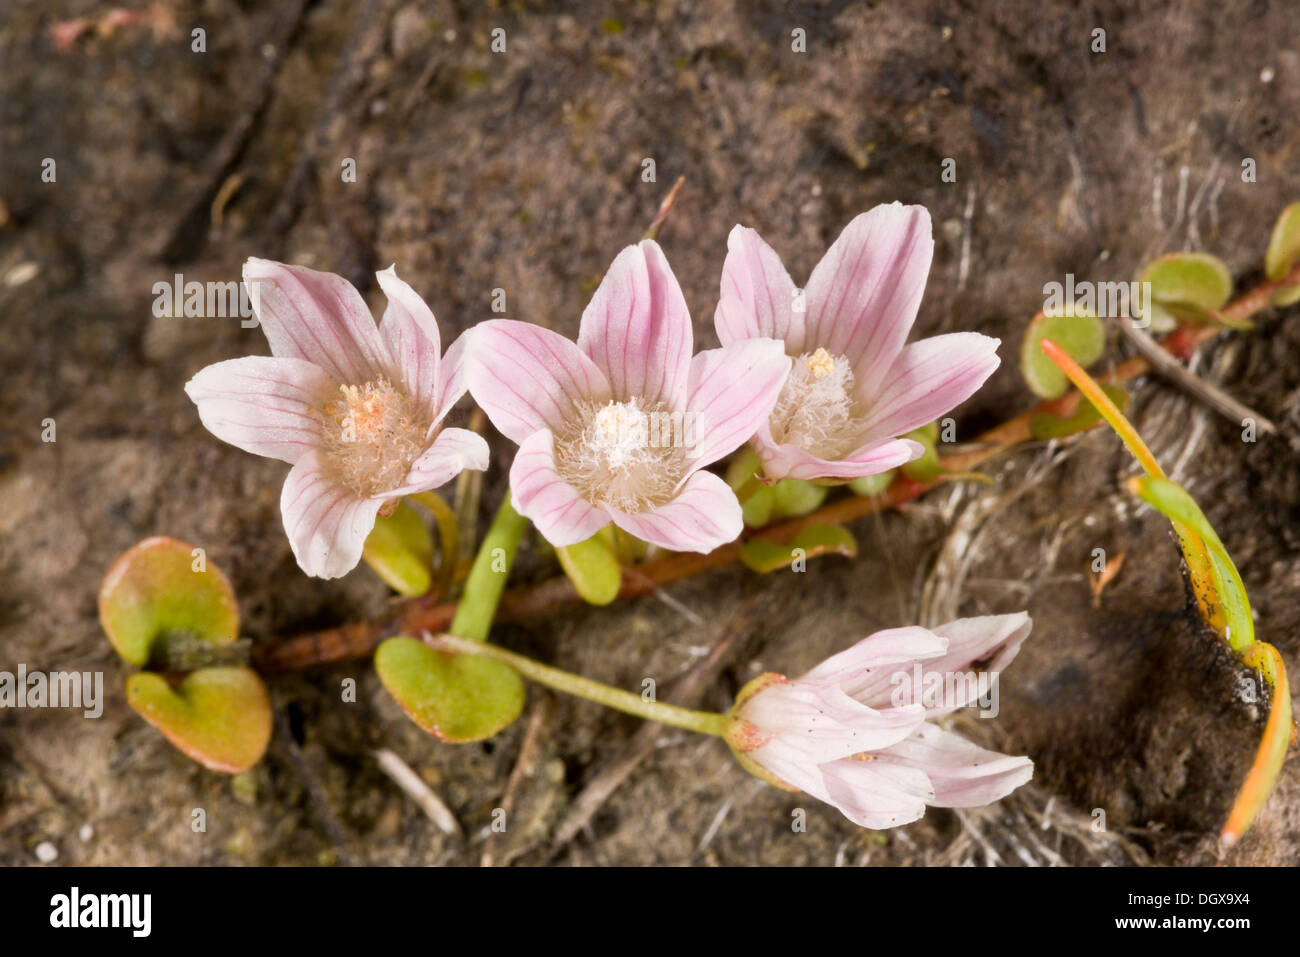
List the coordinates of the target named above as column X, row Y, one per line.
column 930, row 378
column 782, row 460
column 990, row 641
column 868, row 660
column 732, row 391
column 863, row 296
column 547, row 500
column 453, row 451
column 410, row 332
column 316, row 316
column 452, row 373
column 527, row 378
column 876, row 794
column 637, row 329
column 821, row 723
column 703, row 515
column 757, row 295
column 961, row 773
column 327, row 524
column 262, row 404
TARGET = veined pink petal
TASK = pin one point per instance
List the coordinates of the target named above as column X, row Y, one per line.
column 327, row 525
column 453, row 451
column 262, row 404
column 863, row 296
column 782, row 460
column 316, row 316
column 701, row 516
column 869, row 659
column 410, row 332
column 821, row 723
column 961, row 773
column 637, row 329
column 527, row 378
column 877, row 794
column 757, row 295
column 452, row 374
column 929, row 378
column 732, row 391
column 547, row 500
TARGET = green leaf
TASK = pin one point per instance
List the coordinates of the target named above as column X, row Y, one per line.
column 757, row 508
column 1283, row 244
column 220, row 717
column 792, row 498
column 1044, row 425
column 1190, row 312
column 870, row 485
column 1171, row 500
column 400, row 550
column 593, row 568
column 926, row 467
column 1283, row 251
column 459, row 698
column 160, row 586
column 1196, row 278
column 1079, row 333
column 764, row 556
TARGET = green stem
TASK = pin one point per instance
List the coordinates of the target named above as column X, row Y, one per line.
column 487, row 576
column 705, row 722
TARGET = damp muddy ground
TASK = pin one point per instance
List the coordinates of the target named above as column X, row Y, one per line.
column 523, row 171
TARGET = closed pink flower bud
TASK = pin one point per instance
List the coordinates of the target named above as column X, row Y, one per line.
column 840, row 734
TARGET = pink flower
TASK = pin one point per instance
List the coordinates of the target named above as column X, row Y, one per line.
column 840, row 734
column 855, row 386
column 354, row 408
column 619, row 426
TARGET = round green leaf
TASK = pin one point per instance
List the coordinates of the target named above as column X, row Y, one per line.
column 459, row 698
column 926, row 467
column 162, row 585
column 1284, row 243
column 593, row 568
column 1198, row 279
column 792, row 498
column 757, row 508
column 220, row 717
column 764, row 556
column 1079, row 333
column 870, row 485
column 400, row 550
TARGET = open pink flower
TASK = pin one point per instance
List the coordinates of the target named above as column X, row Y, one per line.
column 855, row 385
column 354, row 408
column 619, row 426
column 840, row 734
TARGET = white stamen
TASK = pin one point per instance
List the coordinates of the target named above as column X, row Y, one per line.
column 817, row 409
column 622, row 454
column 372, row 436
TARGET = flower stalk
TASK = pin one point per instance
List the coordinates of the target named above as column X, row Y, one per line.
column 705, row 722
column 487, row 576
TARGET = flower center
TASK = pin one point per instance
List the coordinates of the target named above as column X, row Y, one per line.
column 372, row 435
column 817, row 410
column 623, row 454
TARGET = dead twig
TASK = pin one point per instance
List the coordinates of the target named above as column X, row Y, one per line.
column 1169, row 368
column 414, row 787
column 525, row 766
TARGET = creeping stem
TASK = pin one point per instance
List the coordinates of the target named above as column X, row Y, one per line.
column 705, row 722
